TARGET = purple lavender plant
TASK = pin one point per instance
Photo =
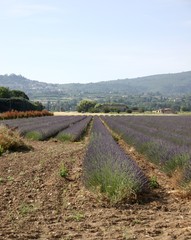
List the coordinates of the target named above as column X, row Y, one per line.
column 75, row 131
column 107, row 166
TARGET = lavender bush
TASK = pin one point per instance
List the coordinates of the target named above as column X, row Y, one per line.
column 186, row 176
column 107, row 167
column 75, row 131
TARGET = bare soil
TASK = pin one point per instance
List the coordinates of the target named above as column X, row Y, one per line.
column 37, row 203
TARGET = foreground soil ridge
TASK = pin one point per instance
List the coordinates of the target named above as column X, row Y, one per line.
column 37, row 203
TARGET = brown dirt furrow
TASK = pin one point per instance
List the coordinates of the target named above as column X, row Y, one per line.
column 37, row 203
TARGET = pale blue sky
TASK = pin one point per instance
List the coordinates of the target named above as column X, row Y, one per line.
column 64, row 41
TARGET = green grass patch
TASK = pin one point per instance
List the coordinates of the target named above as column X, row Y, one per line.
column 33, row 135
column 1, row 150
column 153, row 183
column 76, row 216
column 26, row 208
column 63, row 171
column 10, row 178
column 65, row 137
column 115, row 185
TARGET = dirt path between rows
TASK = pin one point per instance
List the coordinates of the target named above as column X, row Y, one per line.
column 37, row 203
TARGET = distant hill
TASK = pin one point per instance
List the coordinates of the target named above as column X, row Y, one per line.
column 167, row 84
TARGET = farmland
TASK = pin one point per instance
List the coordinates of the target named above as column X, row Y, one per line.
column 164, row 140
column 36, row 202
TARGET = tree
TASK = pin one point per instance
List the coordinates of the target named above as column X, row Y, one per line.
column 4, row 92
column 18, row 93
column 106, row 110
column 38, row 105
column 86, row 105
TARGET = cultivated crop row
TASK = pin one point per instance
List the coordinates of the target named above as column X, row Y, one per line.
column 43, row 127
column 75, row 131
column 165, row 140
column 107, row 167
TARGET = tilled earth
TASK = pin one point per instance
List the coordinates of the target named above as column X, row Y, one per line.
column 37, row 203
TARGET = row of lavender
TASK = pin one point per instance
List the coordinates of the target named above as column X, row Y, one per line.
column 165, row 140
column 75, row 131
column 107, row 167
column 42, row 128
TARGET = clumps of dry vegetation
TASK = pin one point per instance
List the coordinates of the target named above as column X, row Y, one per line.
column 10, row 140
column 21, row 114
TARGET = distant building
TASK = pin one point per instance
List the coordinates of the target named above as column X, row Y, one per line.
column 165, row 110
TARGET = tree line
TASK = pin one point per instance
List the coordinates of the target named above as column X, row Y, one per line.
column 17, row 100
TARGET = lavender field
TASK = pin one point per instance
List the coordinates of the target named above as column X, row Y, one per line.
column 164, row 140
column 96, row 188
column 42, row 128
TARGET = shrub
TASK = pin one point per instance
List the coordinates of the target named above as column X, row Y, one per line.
column 20, row 114
column 33, row 135
column 65, row 137
column 129, row 111
column 11, row 140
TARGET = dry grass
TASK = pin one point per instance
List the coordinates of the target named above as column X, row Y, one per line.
column 75, row 113
column 11, row 140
